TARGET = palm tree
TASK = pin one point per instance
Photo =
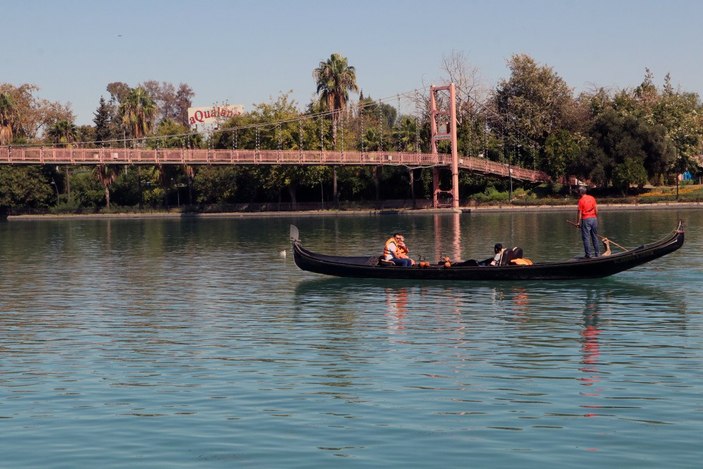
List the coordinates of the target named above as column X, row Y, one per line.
column 138, row 111
column 106, row 175
column 335, row 79
column 6, row 112
column 63, row 132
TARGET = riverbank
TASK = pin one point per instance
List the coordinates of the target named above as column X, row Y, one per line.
column 350, row 212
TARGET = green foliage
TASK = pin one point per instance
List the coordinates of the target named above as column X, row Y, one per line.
column 154, row 181
column 355, row 182
column 382, row 114
column 137, row 111
column 171, row 135
column 126, row 187
column 215, row 184
column 86, row 191
column 394, row 183
column 534, row 103
column 7, row 117
column 105, row 118
column 154, row 196
column 560, row 150
column 335, row 78
column 624, row 150
column 629, row 172
column 63, row 132
column 406, row 134
column 491, row 194
column 25, row 186
column 66, row 204
column 23, row 115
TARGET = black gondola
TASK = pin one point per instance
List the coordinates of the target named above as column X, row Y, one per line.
column 577, row 268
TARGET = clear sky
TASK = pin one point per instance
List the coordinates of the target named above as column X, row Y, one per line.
column 249, row 51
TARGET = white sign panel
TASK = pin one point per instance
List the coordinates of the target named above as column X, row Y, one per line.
column 213, row 114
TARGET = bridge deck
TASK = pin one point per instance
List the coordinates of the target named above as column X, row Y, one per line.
column 181, row 156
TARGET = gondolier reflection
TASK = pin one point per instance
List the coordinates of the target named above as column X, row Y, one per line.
column 588, row 222
column 396, row 251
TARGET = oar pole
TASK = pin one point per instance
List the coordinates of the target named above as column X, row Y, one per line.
column 602, row 238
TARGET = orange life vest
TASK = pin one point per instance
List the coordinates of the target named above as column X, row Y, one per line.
column 387, row 253
column 401, row 250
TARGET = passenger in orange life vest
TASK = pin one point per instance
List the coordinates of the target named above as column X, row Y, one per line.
column 394, row 249
column 588, row 222
column 402, row 251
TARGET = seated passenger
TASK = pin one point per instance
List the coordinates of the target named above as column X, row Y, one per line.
column 499, row 254
column 402, row 251
column 504, row 256
column 514, row 256
column 509, row 255
column 391, row 254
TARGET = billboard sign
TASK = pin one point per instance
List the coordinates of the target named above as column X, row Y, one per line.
column 213, row 114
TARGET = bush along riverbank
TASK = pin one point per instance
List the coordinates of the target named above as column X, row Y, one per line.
column 686, row 197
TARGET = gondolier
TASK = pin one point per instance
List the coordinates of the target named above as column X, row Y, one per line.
column 588, row 222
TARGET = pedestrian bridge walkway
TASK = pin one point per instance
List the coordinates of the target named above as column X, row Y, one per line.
column 182, row 156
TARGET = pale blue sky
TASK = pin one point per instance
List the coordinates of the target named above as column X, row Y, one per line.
column 248, row 51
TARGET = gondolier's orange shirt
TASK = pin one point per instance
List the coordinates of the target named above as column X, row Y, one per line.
column 587, row 206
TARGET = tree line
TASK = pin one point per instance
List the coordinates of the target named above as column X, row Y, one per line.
column 618, row 140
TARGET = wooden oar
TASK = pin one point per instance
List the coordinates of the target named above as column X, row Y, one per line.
column 602, row 238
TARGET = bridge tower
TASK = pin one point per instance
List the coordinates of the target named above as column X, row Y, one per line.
column 443, row 127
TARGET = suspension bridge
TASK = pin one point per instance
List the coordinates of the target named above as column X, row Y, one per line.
column 443, row 127
column 185, row 156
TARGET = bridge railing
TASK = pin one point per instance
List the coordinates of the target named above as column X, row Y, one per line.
column 91, row 156
column 484, row 166
column 185, row 156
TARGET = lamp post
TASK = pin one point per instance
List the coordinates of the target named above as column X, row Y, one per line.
column 679, row 170
column 510, row 175
column 178, row 192
column 53, row 183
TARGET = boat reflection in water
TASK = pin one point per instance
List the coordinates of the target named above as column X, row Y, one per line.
column 590, row 348
column 550, row 350
column 397, row 307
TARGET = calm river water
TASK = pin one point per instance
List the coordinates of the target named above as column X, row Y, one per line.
column 196, row 343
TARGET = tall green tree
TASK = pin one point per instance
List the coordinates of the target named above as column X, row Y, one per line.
column 533, row 103
column 104, row 120
column 624, row 150
column 668, row 125
column 24, row 186
column 681, row 114
column 406, row 134
column 29, row 114
column 560, row 150
column 183, row 100
column 172, row 103
column 106, row 175
column 138, row 110
column 215, row 184
column 118, row 91
column 7, row 109
column 335, row 78
column 63, row 132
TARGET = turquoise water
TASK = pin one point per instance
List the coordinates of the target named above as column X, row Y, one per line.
column 196, row 343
